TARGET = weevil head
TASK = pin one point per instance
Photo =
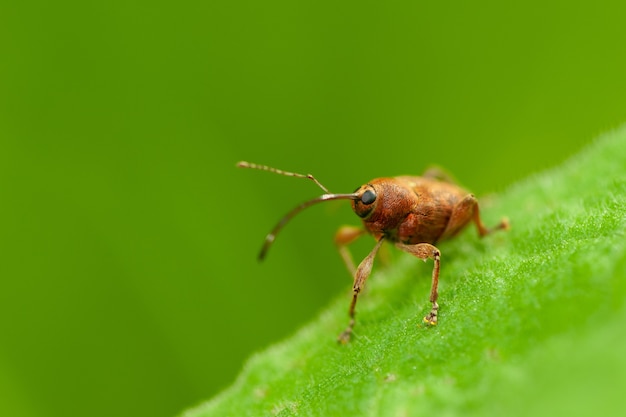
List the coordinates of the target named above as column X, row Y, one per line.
column 383, row 204
column 366, row 200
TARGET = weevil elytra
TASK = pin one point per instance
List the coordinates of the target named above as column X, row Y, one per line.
column 413, row 213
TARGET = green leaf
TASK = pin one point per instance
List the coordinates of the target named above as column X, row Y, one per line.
column 531, row 322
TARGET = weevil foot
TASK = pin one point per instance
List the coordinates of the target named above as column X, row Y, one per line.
column 431, row 318
column 344, row 337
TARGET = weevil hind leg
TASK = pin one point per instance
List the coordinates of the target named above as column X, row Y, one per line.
column 427, row 251
column 465, row 211
column 360, row 276
column 438, row 173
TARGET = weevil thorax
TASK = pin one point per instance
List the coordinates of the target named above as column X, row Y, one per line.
column 383, row 204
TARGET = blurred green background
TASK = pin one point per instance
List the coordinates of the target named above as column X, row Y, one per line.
column 128, row 240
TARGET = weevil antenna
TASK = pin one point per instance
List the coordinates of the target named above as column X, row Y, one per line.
column 269, row 239
column 244, row 164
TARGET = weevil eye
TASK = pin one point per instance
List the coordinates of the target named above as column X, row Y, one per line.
column 368, row 197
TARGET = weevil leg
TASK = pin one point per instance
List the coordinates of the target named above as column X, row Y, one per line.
column 465, row 211
column 344, row 236
column 362, row 272
column 427, row 251
column 438, row 173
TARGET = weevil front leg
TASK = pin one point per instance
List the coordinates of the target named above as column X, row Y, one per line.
column 362, row 272
column 427, row 251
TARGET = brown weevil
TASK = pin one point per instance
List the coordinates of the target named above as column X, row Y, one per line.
column 413, row 213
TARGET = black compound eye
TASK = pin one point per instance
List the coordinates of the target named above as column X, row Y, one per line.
column 368, row 197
